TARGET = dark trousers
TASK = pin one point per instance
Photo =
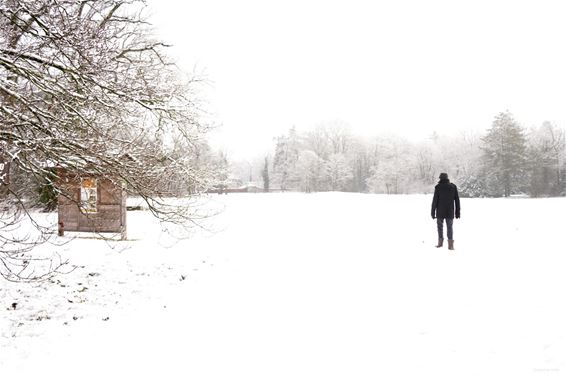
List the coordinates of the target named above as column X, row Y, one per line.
column 439, row 225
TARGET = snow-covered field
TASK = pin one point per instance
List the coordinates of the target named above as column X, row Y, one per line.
column 328, row 284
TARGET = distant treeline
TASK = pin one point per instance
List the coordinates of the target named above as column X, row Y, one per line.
column 507, row 160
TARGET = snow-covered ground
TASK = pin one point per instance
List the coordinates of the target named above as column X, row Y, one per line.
column 328, row 284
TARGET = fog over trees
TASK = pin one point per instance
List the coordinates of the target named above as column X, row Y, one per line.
column 505, row 160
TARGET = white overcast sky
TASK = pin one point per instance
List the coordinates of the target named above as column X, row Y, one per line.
column 405, row 66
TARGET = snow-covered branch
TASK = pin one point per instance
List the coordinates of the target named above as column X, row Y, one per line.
column 84, row 85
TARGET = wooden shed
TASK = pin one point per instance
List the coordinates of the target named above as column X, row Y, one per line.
column 91, row 204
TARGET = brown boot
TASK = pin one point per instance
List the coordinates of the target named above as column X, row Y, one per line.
column 440, row 242
column 450, row 244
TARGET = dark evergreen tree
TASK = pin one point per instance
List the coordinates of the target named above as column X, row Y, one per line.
column 504, row 156
column 265, row 175
column 48, row 194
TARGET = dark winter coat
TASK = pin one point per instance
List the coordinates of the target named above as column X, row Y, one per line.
column 445, row 197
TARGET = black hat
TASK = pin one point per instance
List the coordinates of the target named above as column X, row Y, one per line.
column 443, row 176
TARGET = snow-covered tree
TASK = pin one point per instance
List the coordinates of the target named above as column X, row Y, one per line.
column 221, row 168
column 286, row 156
column 318, row 141
column 360, row 162
column 546, row 152
column 339, row 136
column 427, row 163
column 392, row 171
column 338, row 173
column 309, row 172
column 457, row 155
column 84, row 85
column 504, row 155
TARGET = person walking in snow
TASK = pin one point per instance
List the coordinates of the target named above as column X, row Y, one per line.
column 443, row 202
